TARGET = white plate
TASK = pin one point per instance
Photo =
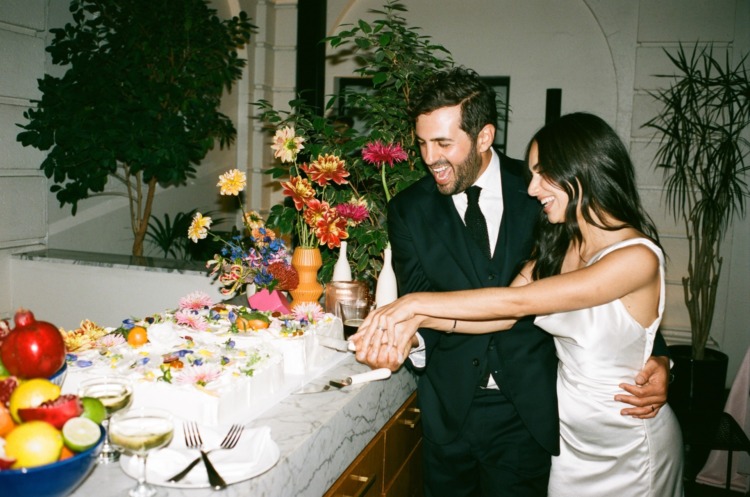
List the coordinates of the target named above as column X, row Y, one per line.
column 255, row 445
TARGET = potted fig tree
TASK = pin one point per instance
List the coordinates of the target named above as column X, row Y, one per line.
column 701, row 127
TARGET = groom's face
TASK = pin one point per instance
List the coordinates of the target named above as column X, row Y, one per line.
column 451, row 155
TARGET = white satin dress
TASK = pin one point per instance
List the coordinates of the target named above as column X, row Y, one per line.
column 603, row 453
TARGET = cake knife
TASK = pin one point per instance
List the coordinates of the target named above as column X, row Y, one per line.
column 337, row 344
column 375, row 374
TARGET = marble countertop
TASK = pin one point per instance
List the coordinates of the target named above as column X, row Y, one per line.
column 318, row 436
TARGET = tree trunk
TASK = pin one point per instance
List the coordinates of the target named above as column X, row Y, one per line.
column 140, row 232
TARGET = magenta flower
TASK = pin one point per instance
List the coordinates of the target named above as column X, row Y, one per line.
column 379, row 154
column 353, row 213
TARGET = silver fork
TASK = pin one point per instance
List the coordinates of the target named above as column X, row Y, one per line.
column 193, row 441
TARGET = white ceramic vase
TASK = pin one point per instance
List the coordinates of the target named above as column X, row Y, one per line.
column 386, row 290
column 342, row 271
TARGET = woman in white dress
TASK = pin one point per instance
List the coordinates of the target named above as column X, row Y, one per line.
column 595, row 281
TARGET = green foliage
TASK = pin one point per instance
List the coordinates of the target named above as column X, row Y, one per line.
column 702, row 150
column 397, row 59
column 138, row 102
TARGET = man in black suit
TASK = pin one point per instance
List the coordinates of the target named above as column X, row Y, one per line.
column 489, row 404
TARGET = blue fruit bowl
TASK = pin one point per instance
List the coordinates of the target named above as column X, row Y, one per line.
column 51, row 480
column 59, row 377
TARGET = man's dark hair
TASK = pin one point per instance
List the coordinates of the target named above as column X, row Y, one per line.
column 458, row 86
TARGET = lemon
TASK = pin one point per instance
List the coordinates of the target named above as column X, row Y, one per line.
column 80, row 434
column 35, row 443
column 93, row 409
column 31, row 393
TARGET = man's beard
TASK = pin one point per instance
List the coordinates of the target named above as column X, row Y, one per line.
column 465, row 173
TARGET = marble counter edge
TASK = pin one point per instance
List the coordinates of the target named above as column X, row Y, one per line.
column 318, row 436
column 117, row 261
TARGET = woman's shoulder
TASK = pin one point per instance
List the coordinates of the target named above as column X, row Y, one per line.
column 637, row 245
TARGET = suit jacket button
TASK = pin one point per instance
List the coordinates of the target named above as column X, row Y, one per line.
column 491, row 277
column 475, row 362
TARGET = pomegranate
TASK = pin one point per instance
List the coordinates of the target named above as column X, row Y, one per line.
column 7, row 385
column 33, row 349
column 55, row 412
column 6, row 463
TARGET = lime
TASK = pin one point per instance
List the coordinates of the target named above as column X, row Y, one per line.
column 80, row 434
column 34, row 443
column 93, row 409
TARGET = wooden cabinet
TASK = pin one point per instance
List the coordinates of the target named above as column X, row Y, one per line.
column 391, row 464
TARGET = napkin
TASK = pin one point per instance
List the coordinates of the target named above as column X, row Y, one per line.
column 255, row 453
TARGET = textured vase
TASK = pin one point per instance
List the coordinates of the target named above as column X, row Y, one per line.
column 386, row 290
column 307, row 262
column 342, row 271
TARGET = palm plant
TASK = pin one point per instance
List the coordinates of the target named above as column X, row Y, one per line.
column 702, row 148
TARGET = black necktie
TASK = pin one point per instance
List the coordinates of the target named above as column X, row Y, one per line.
column 475, row 221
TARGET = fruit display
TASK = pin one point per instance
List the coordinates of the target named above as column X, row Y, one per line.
column 38, row 425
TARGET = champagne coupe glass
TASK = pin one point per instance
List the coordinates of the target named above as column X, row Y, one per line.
column 138, row 431
column 116, row 393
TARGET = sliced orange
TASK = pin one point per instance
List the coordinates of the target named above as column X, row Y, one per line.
column 137, row 336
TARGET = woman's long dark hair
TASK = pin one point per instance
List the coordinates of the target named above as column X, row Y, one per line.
column 584, row 156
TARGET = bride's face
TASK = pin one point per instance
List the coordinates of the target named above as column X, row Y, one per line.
column 554, row 200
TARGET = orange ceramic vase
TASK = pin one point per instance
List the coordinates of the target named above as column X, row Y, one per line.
column 307, row 262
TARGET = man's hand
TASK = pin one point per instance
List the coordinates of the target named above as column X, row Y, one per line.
column 374, row 348
column 649, row 393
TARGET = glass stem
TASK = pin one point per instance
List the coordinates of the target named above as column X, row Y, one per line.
column 141, row 488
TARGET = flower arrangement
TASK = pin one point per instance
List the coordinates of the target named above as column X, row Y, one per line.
column 315, row 189
column 256, row 256
column 397, row 60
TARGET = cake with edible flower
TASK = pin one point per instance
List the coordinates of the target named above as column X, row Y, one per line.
column 216, row 363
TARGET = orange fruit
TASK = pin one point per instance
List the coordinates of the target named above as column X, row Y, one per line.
column 257, row 324
column 31, row 393
column 249, row 324
column 241, row 324
column 66, row 453
column 137, row 336
column 35, row 443
column 6, row 421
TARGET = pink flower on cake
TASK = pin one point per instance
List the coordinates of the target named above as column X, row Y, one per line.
column 196, row 301
column 110, row 340
column 191, row 319
column 310, row 311
column 199, row 375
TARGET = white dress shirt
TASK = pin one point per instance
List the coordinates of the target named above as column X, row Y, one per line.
column 491, row 205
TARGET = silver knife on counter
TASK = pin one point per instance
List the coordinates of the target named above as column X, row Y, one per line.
column 337, row 344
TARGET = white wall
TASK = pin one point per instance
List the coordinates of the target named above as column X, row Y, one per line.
column 104, row 295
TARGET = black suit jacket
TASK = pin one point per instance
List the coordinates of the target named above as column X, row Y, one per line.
column 432, row 251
